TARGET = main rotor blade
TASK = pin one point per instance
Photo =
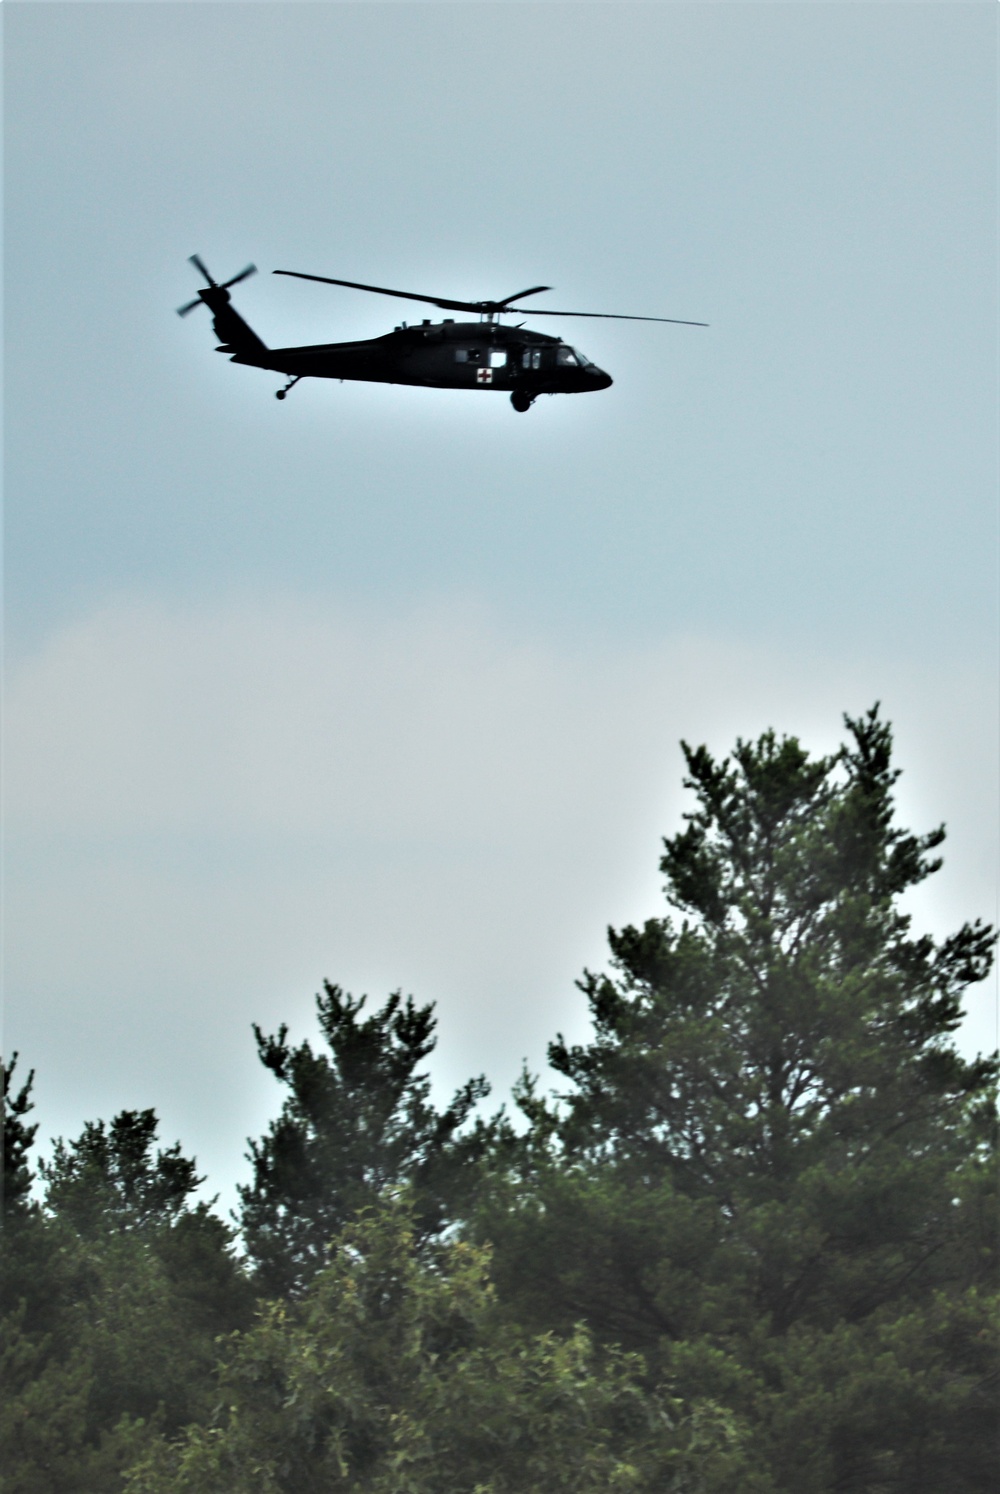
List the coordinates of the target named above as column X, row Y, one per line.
column 381, row 290
column 194, row 260
column 486, row 306
column 614, row 316
column 250, row 270
column 534, row 291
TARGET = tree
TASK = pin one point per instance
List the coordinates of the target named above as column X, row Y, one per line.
column 18, row 1138
column 108, row 1179
column 157, row 1278
column 392, row 1373
column 116, row 1287
column 26, row 1257
column 774, row 1173
column 354, row 1123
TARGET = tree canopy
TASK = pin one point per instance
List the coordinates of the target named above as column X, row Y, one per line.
column 748, row 1245
column 391, row 1373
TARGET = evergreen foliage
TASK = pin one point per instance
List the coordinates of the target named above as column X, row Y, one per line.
column 116, row 1287
column 356, row 1121
column 108, row 1178
column 751, row 1249
column 773, row 1172
column 18, row 1137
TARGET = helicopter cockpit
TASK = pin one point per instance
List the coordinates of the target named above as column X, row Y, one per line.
column 569, row 357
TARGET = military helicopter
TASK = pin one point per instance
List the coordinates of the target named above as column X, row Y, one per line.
column 448, row 354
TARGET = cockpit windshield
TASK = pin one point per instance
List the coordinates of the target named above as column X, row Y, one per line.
column 570, row 357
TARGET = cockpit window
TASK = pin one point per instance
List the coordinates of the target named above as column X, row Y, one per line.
column 567, row 356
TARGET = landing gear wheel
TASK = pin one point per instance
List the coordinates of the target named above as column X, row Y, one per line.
column 280, row 393
column 522, row 402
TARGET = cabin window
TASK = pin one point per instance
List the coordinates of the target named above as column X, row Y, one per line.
column 498, row 357
column 566, row 356
column 468, row 355
column 531, row 358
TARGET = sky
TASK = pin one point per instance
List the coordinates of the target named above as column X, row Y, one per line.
column 385, row 686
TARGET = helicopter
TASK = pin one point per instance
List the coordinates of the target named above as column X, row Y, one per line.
column 449, row 354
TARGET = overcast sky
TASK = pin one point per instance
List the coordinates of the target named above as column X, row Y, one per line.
column 385, row 685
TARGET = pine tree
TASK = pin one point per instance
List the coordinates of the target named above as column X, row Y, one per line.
column 157, row 1279
column 18, row 1138
column 356, row 1121
column 774, row 1172
column 117, row 1285
column 108, row 1179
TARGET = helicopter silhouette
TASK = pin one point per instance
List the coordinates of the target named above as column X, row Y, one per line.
column 448, row 354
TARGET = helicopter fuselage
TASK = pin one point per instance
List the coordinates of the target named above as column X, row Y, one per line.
column 441, row 355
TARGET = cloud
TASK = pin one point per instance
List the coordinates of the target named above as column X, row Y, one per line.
column 212, row 807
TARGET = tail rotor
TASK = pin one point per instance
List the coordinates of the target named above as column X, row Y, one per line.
column 202, row 298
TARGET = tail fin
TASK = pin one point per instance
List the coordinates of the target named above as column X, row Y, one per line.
column 235, row 337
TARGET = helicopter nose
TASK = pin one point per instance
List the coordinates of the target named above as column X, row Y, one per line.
column 601, row 379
